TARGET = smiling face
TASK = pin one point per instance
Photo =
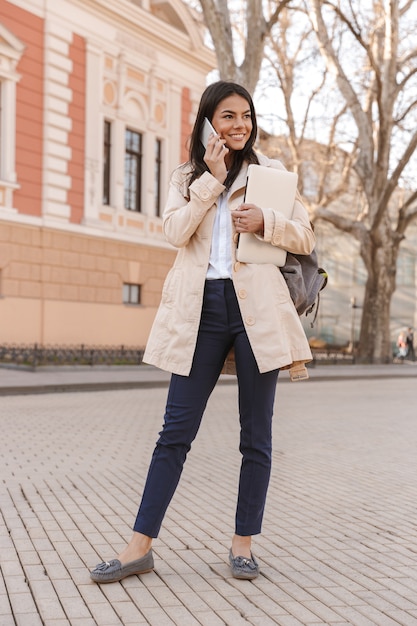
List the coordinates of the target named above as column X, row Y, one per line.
column 233, row 121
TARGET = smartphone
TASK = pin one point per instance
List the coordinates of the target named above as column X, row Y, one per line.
column 206, row 132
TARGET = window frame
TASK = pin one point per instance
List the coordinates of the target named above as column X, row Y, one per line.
column 158, row 176
column 10, row 54
column 133, row 156
column 130, row 300
column 107, row 162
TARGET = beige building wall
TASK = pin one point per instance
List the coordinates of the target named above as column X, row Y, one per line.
column 61, row 287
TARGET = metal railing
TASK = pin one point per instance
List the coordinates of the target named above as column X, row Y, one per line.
column 332, row 356
column 35, row 355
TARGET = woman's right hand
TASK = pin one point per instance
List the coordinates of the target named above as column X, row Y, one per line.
column 214, row 157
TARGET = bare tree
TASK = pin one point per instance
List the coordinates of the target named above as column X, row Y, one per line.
column 302, row 78
column 240, row 29
column 371, row 50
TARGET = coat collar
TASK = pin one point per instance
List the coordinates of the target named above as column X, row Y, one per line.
column 238, row 184
column 240, row 180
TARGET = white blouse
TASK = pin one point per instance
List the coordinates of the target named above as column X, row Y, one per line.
column 220, row 262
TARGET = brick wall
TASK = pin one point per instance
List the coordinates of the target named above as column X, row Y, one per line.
column 65, row 266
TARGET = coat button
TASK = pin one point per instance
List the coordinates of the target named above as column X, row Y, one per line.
column 236, row 237
column 250, row 320
column 236, row 266
column 205, row 194
column 242, row 293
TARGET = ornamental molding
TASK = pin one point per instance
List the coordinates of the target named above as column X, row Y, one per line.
column 11, row 50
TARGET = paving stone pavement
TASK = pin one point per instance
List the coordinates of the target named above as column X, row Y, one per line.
column 339, row 544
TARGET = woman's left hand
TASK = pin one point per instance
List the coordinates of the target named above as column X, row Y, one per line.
column 248, row 218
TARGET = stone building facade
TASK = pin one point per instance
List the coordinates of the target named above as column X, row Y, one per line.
column 97, row 101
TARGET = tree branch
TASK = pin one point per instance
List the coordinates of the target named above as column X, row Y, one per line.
column 402, row 84
column 393, row 181
column 353, row 227
column 364, row 164
column 275, row 15
column 398, row 120
column 406, row 7
column 404, row 217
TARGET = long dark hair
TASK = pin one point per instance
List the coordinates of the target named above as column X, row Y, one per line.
column 211, row 98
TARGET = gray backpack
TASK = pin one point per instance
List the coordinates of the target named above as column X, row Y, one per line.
column 305, row 279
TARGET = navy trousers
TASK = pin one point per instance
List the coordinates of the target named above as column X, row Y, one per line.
column 221, row 327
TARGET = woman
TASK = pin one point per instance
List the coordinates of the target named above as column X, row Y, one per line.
column 210, row 305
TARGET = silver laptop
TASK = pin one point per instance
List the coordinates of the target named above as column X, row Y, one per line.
column 267, row 187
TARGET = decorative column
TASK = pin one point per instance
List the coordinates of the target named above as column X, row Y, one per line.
column 57, row 123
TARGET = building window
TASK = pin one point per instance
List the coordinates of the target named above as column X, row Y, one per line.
column 158, row 162
column 11, row 50
column 133, row 170
column 131, row 293
column 106, row 162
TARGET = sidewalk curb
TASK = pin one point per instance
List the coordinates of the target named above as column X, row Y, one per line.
column 69, row 387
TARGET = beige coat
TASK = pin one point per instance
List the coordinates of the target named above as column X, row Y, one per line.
column 271, row 321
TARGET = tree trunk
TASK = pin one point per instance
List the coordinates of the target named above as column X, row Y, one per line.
column 252, row 31
column 375, row 340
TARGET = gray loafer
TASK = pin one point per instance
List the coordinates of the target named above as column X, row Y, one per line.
column 113, row 571
column 243, row 568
